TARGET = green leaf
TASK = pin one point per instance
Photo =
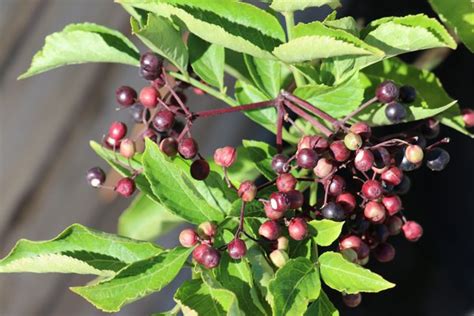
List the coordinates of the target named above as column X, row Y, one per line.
column 336, row 42
column 235, row 25
column 295, row 5
column 347, row 24
column 262, row 271
column 295, row 285
column 146, row 219
column 135, row 281
column 459, row 15
column 161, row 37
column 322, row 307
column 344, row 276
column 266, row 74
column 176, row 189
column 327, row 231
column 139, row 14
column 77, row 249
column 207, row 60
column 235, row 65
column 83, row 43
column 337, row 101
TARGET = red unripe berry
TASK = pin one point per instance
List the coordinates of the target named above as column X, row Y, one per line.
column 188, row 238
column 468, row 117
column 279, row 202
column 188, row 148
column 247, row 191
column 340, row 151
column 354, row 242
column 414, row 154
column 96, row 177
column 296, row 199
column 125, row 95
column 387, row 92
column 117, row 130
column 207, row 256
column 394, row 225
column 323, row 168
column 125, row 187
column 279, row 163
column 364, row 160
column 270, row 230
column 392, row 203
column 237, row 249
column 352, row 300
column 317, row 143
column 111, row 143
column 163, row 120
column 384, row 252
column 347, row 201
column 375, row 212
column 151, row 134
column 199, row 251
column 149, row 97
column 279, row 257
column 270, row 213
column 200, row 169
column 225, row 156
column 372, row 189
column 393, row 176
column 286, row 182
column 306, row 158
column 337, row 185
column 169, row 146
column 207, row 230
column 297, row 228
column 361, row 128
column 412, row 230
column 353, row 141
column 127, row 148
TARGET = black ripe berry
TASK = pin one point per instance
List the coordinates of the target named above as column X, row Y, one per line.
column 333, row 211
column 125, row 187
column 352, row 300
column 96, row 177
column 200, row 169
column 296, row 199
column 188, row 148
column 387, row 92
column 437, row 159
column 117, row 130
column 279, row 163
column 169, row 146
column 407, row 94
column 307, row 158
column 384, row 252
column 125, row 95
column 237, row 249
column 395, row 112
column 150, row 66
column 163, row 120
column 337, row 185
column 136, row 112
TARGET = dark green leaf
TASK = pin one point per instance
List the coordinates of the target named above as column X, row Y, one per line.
column 322, row 307
column 262, row 271
column 207, row 60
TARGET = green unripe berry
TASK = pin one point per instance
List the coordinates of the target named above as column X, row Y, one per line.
column 279, row 258
column 353, row 141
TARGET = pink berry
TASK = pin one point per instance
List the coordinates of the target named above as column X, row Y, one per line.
column 468, row 117
column 225, row 156
column 247, row 191
column 363, row 129
column 207, row 230
column 354, row 242
column 270, row 213
column 286, row 182
column 340, row 151
column 279, row 202
column 375, row 212
column 127, row 148
column 337, row 185
column 393, row 176
column 297, row 228
column 117, row 130
column 323, row 168
column 347, row 201
column 372, row 189
column 392, row 203
column 412, row 230
column 270, row 230
column 149, row 97
column 188, row 238
column 364, row 160
column 125, row 187
column 188, row 148
column 237, row 249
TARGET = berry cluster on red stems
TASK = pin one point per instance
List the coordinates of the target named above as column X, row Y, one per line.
column 361, row 177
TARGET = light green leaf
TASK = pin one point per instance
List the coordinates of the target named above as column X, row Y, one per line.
column 146, row 219
column 322, row 307
column 207, row 60
column 295, row 5
column 295, row 285
column 175, row 188
column 327, row 231
column 344, row 276
column 459, row 15
column 83, row 43
column 236, row 25
column 135, row 281
column 347, row 24
column 266, row 74
column 139, row 14
column 77, row 249
column 336, row 42
column 262, row 271
column 161, row 37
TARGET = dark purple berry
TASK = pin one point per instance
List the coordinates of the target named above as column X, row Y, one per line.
column 297, row 228
column 384, row 252
column 150, row 66
column 279, row 201
column 296, row 199
column 169, row 146
column 136, row 112
column 307, row 158
column 395, row 112
column 200, row 169
column 407, row 94
column 237, row 249
column 333, row 211
column 394, row 225
column 163, row 120
column 151, row 134
column 270, row 230
column 96, row 177
column 340, row 151
column 125, row 187
column 437, row 159
column 188, row 148
column 125, row 95
column 117, row 130
column 354, row 242
column 279, row 162
column 207, row 256
column 337, row 185
column 387, row 92
column 352, row 300
column 403, row 187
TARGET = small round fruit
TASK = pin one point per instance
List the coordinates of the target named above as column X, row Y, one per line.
column 247, row 191
column 363, row 129
column 381, row 157
column 347, row 201
column 297, row 228
column 395, row 112
column 188, row 148
column 279, row 257
column 279, row 201
column 237, row 249
column 333, row 211
column 407, row 94
column 308, row 142
column 149, row 97
column 340, row 151
column 354, row 242
column 125, row 96
column 372, row 189
column 404, row 164
column 431, row 128
column 394, row 225
column 270, row 213
column 437, row 159
column 207, row 230
column 270, row 230
column 296, row 199
column 111, row 143
column 286, row 182
column 393, row 176
column 96, row 177
column 163, row 120
column 403, row 187
column 200, row 169
column 323, row 168
column 150, row 66
column 279, row 163
column 412, row 230
column 337, row 185
column 199, row 251
column 125, row 187
column 282, row 243
column 169, row 146
column 392, row 203
column 210, row 258
column 375, row 212
column 352, row 300
column 225, row 156
column 127, row 148
column 468, row 117
column 188, row 238
column 117, row 130
column 307, row 158
column 414, row 154
column 364, row 160
column 353, row 141
column 384, row 252
column 387, row 92
column 136, row 112
column 349, row 254
column 151, row 134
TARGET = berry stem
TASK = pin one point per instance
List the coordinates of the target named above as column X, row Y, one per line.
column 279, row 134
column 309, row 107
column 265, row 185
column 309, row 118
column 445, row 140
column 361, row 108
column 241, row 220
column 175, row 95
column 240, row 108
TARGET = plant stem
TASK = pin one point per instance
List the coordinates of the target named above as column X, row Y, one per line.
column 279, row 134
column 309, row 118
column 358, row 110
column 241, row 220
column 309, row 107
column 290, row 24
column 240, row 108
